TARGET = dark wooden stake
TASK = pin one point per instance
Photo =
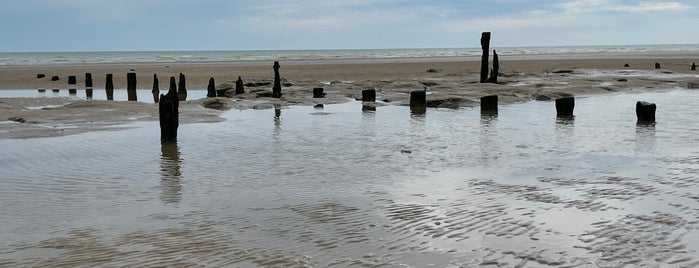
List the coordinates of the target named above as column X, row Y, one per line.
column 109, row 87
column 496, row 68
column 318, row 92
column 418, row 102
column 277, row 89
column 168, row 108
column 369, row 94
column 156, row 88
column 182, row 88
column 645, row 112
column 565, row 107
column 694, row 66
column 239, row 87
column 211, row 89
column 88, row 80
column 485, row 45
column 131, row 86
column 72, row 82
column 489, row 104
column 657, row 65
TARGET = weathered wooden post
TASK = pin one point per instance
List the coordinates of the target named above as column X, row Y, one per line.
column 657, row 65
column 318, row 92
column 645, row 112
column 131, row 86
column 277, row 89
column 496, row 68
column 88, row 85
column 169, row 113
column 694, row 66
column 489, row 105
column 55, row 78
column 239, row 87
column 565, row 107
column 109, row 87
column 211, row 89
column 485, row 45
column 369, row 94
column 418, row 102
column 156, row 89
column 182, row 88
column 72, row 85
column 627, row 65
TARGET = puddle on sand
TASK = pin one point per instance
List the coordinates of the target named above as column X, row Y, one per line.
column 98, row 94
column 299, row 189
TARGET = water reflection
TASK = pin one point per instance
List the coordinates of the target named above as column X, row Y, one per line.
column 645, row 138
column 565, row 120
column 418, row 110
column 171, row 173
column 368, row 108
column 488, row 142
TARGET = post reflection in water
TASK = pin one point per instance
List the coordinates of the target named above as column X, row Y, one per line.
column 489, row 139
column 645, row 138
column 171, row 173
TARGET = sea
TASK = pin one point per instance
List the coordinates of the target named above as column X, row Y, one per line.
column 100, row 57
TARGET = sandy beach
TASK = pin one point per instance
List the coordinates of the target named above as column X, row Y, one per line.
column 450, row 82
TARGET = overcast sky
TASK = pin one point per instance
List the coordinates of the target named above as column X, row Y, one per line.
column 108, row 25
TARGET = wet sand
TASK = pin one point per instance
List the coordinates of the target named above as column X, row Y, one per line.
column 450, row 82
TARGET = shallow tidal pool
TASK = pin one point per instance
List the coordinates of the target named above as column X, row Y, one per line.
column 339, row 186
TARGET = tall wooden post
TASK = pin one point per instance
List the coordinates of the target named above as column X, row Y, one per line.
column 182, row 88
column 131, row 86
column 88, row 85
column 277, row 89
column 109, row 87
column 156, row 88
column 168, row 108
column 485, row 46
column 496, row 68
column 694, row 66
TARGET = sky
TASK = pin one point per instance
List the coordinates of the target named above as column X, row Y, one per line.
column 136, row 25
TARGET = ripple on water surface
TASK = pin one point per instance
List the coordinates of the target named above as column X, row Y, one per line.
column 351, row 188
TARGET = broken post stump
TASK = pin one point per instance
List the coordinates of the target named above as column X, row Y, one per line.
column 211, row 89
column 657, row 65
column 109, row 87
column 565, row 107
column 496, row 68
column 40, row 76
column 182, row 88
column 156, row 88
column 627, row 65
column 485, row 45
column 694, row 66
column 418, row 102
column 489, row 104
column 55, row 78
column 369, row 94
column 131, row 86
column 239, row 87
column 277, row 88
column 645, row 112
column 318, row 92
column 72, row 85
column 168, row 108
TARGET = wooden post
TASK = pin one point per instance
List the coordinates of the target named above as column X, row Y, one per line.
column 88, row 85
column 109, row 87
column 418, row 102
column 72, row 82
column 131, row 86
column 627, row 65
column 211, row 89
column 55, row 78
column 496, row 68
column 657, row 65
column 168, row 108
column 369, row 94
column 645, row 112
column 694, row 66
column 485, row 45
column 239, row 87
column 277, row 89
column 156, row 88
column 565, row 107
column 489, row 104
column 182, row 88
column 318, row 92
